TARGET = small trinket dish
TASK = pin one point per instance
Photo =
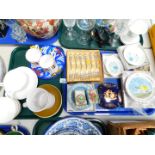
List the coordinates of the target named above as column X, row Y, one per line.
column 112, row 65
column 108, row 95
column 79, row 98
column 133, row 56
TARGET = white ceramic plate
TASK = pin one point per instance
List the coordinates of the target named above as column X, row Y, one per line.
column 31, row 84
column 134, row 55
column 140, row 87
column 114, row 66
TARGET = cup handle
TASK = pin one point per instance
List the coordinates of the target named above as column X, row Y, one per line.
column 14, row 128
column 11, row 95
column 24, row 105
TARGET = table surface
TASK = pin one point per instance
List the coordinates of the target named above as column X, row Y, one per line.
column 5, row 52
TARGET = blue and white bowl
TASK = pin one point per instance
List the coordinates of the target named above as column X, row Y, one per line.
column 73, row 126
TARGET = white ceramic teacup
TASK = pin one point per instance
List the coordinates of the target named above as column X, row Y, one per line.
column 9, row 109
column 48, row 62
column 38, row 100
column 33, row 55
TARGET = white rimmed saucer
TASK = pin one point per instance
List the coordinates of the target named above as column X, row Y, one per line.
column 27, row 82
column 134, row 55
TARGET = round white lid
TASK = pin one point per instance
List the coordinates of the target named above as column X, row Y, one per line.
column 46, row 61
column 8, row 109
column 33, row 55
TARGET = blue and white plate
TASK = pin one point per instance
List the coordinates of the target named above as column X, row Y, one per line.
column 59, row 57
column 73, row 126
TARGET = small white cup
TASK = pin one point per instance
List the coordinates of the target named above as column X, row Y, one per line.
column 48, row 62
column 33, row 55
column 39, row 99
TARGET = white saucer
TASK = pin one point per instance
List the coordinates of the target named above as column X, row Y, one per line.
column 114, row 66
column 30, row 84
column 134, row 55
column 127, row 40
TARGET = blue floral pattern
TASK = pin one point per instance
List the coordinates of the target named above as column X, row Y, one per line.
column 59, row 56
column 73, row 126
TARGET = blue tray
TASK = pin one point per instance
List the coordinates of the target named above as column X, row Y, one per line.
column 30, row 40
column 7, row 128
column 121, row 111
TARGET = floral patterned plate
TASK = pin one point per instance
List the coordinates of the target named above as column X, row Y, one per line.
column 73, row 126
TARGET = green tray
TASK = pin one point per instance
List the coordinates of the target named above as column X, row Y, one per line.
column 91, row 46
column 42, row 125
column 18, row 59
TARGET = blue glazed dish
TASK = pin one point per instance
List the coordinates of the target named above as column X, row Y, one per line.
column 108, row 95
column 7, row 128
column 60, row 59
